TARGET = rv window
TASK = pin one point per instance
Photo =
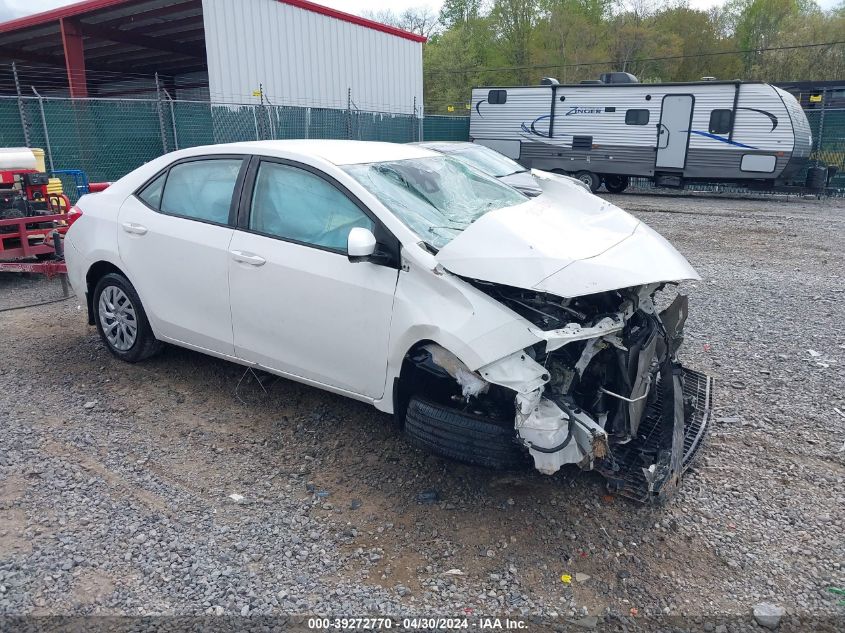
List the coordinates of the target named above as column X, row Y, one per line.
column 497, row 97
column 721, row 121
column 636, row 117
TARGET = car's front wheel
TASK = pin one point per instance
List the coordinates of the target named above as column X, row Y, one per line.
column 465, row 437
column 121, row 320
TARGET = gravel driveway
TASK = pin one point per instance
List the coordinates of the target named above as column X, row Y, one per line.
column 183, row 486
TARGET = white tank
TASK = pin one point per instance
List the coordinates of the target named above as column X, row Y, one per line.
column 17, row 158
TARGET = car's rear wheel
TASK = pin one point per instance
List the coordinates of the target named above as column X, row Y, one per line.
column 121, row 320
column 615, row 183
column 590, row 179
column 461, row 436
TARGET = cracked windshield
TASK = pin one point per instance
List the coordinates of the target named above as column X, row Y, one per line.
column 436, row 197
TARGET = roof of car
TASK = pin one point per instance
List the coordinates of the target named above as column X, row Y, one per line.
column 337, row 152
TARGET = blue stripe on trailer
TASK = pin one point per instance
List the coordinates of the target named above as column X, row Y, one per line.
column 721, row 138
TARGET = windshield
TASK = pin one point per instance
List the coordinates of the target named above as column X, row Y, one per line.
column 487, row 160
column 436, row 197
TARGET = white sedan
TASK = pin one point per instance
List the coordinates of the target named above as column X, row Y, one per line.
column 492, row 325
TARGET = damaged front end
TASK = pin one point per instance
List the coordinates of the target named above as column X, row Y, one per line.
column 604, row 389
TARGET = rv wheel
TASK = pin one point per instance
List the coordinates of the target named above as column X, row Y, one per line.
column 615, row 183
column 590, row 179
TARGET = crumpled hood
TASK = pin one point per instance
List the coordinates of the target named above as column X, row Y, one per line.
column 568, row 245
column 524, row 182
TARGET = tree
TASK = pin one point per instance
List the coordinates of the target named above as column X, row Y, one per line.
column 452, row 59
column 420, row 20
column 459, row 12
column 694, row 35
column 571, row 33
column 507, row 42
column 758, row 23
column 631, row 34
column 514, row 21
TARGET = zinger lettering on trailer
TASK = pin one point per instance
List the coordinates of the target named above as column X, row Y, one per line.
column 579, row 110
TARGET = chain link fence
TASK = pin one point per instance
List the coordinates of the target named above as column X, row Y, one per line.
column 828, row 126
column 107, row 138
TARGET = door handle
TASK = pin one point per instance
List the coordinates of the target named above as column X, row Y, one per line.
column 134, row 229
column 662, row 136
column 252, row 259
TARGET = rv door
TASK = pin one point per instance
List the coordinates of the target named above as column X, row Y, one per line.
column 673, row 131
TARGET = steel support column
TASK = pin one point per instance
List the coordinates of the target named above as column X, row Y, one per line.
column 74, row 58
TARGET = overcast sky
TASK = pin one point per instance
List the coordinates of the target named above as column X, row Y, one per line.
column 15, row 8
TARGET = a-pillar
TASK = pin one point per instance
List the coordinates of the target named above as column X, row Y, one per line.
column 74, row 58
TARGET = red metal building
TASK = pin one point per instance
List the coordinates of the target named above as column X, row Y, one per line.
column 88, row 47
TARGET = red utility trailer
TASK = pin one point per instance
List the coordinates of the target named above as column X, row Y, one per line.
column 34, row 212
column 35, row 237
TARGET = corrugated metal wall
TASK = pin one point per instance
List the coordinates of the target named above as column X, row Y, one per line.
column 304, row 58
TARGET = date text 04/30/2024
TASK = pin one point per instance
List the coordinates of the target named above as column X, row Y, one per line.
column 480, row 623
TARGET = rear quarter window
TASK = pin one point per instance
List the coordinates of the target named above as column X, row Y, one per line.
column 201, row 189
column 151, row 194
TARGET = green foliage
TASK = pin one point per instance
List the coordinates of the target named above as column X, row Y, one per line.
column 518, row 42
column 459, row 12
column 513, row 23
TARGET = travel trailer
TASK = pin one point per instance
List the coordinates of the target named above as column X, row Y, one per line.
column 749, row 133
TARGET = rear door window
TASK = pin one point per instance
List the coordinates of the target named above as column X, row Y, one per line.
column 201, row 189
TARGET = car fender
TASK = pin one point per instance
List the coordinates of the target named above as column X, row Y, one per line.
column 90, row 240
column 433, row 305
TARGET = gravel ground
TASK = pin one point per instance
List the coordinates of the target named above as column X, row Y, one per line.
column 115, row 480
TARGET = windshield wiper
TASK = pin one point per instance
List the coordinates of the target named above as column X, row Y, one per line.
column 432, row 229
column 431, row 248
column 387, row 172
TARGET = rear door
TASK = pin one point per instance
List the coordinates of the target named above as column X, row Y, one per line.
column 673, row 131
column 173, row 237
column 299, row 306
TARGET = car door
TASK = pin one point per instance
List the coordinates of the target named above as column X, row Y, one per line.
column 173, row 237
column 299, row 305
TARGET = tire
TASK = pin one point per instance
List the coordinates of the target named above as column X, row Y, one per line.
column 122, row 310
column 461, row 436
column 590, row 179
column 615, row 183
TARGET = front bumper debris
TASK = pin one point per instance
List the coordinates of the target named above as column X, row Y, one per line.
column 630, row 468
column 605, row 391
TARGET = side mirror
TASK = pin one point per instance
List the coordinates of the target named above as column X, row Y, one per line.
column 360, row 245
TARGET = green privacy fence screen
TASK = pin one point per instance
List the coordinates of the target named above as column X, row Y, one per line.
column 828, row 128
column 106, row 138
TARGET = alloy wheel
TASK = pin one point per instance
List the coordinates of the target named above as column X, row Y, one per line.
column 118, row 318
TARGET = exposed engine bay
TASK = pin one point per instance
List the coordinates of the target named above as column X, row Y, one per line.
column 604, row 390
